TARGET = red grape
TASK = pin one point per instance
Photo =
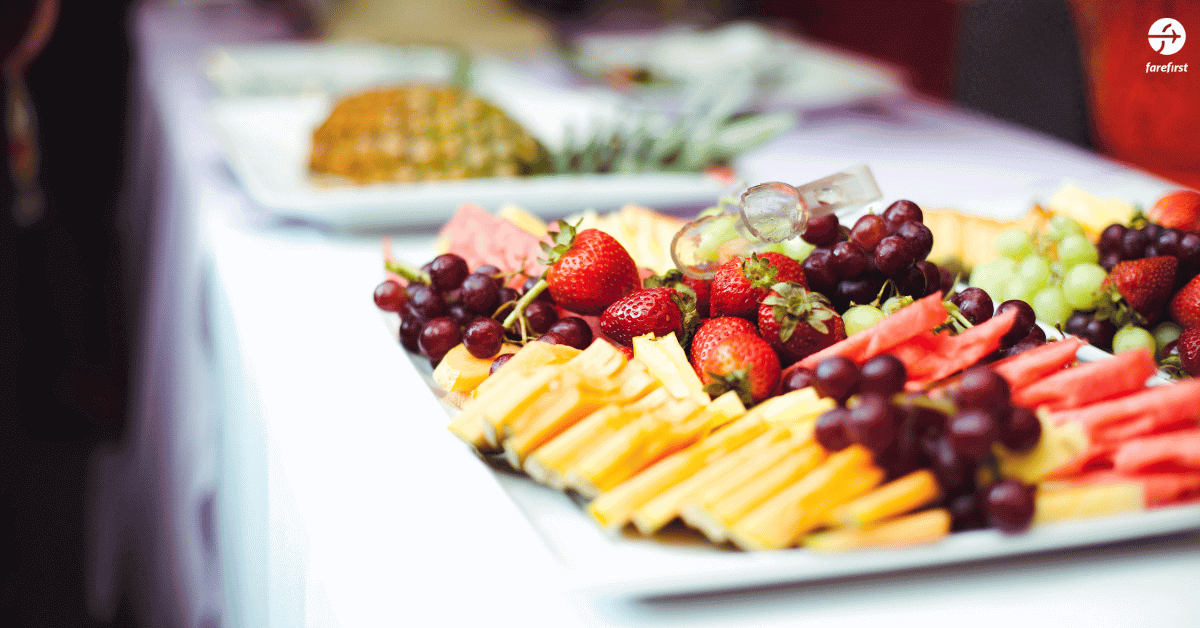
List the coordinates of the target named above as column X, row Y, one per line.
column 883, row 374
column 498, row 362
column 862, row 289
column 848, row 260
column 919, row 237
column 495, row 273
column 818, row 270
column 460, row 314
column 1010, row 506
column 426, row 301
column 553, row 338
column 389, row 296
column 1099, row 333
column 974, row 304
column 1076, row 323
column 410, row 329
column 966, row 513
column 955, row 473
column 1168, row 242
column 868, row 231
column 574, row 331
column 1152, row 230
column 901, row 212
column 972, row 433
column 822, row 230
column 830, row 430
column 480, row 294
column 981, row 388
column 507, row 295
column 1133, row 244
column 1022, row 324
column 1110, row 238
column 797, row 379
column 438, row 337
column 447, row 271
column 894, row 255
column 542, row 315
column 483, row 337
column 836, row 378
column 873, row 422
column 921, row 279
column 1108, row 260
column 1022, row 431
column 544, row 295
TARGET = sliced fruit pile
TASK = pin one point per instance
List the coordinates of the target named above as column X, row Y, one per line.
column 632, row 390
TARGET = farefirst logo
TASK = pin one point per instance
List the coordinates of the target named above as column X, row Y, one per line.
column 1166, row 37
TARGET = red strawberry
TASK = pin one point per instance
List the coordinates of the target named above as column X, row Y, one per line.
column 798, row 323
column 1189, row 351
column 1185, row 305
column 589, row 270
column 677, row 280
column 657, row 311
column 1145, row 284
column 741, row 283
column 712, row 332
column 1177, row 210
column 744, row 363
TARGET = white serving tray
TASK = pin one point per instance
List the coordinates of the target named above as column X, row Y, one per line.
column 678, row 561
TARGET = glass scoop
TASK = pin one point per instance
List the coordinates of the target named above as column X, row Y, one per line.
column 767, row 213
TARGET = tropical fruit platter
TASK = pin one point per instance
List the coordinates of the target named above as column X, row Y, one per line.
column 894, row 377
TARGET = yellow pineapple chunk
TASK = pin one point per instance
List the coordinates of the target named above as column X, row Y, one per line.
column 666, row 360
column 922, row 527
column 1058, row 446
column 895, row 498
column 1059, row 503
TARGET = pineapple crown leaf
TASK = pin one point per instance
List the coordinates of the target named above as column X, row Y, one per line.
column 793, row 305
column 560, row 242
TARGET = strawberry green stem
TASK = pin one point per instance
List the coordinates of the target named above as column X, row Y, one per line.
column 410, row 274
column 527, row 298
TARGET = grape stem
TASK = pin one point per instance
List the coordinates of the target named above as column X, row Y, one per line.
column 410, row 274
column 527, row 298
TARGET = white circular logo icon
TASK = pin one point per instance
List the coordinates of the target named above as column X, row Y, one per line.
column 1167, row 36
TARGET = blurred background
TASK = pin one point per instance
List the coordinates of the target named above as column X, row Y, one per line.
column 73, row 267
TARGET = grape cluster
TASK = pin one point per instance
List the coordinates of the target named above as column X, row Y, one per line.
column 850, row 266
column 1120, row 243
column 456, row 305
column 953, row 438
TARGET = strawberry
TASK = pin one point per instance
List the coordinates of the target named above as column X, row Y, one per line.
column 1189, row 351
column 657, row 311
column 744, row 363
column 1185, row 305
column 1177, row 210
column 712, row 332
column 1144, row 284
column 589, row 270
column 798, row 323
column 741, row 283
column 681, row 282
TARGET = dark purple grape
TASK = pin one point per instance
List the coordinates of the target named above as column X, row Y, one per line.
column 947, row 280
column 901, row 212
column 972, row 433
column 868, row 231
column 797, row 379
column 894, row 255
column 453, row 296
column 955, row 473
column 1168, row 242
column 1009, row 506
column 980, row 388
column 1036, row 334
column 389, row 296
column 1133, row 244
column 974, row 304
column 480, row 294
column 830, row 430
column 1108, row 260
column 1076, row 323
column 507, row 295
column 819, row 271
column 1169, row 349
column 544, row 295
column 836, row 378
column 447, row 271
column 933, row 276
column 919, row 237
column 822, row 230
column 541, row 315
column 861, row 289
column 1152, row 230
column 1023, row 346
column 1110, row 238
column 926, row 420
column 495, row 273
column 1022, row 431
column 848, row 260
column 426, row 301
column 575, row 332
column 921, row 279
column 1189, row 249
column 461, row 314
column 1151, row 250
column 498, row 362
column 904, row 456
column 1099, row 333
column 966, row 513
column 438, row 337
column 883, row 374
column 873, row 423
column 483, row 337
column 553, row 338
column 410, row 330
column 1022, row 324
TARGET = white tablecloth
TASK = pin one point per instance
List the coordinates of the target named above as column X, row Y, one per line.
column 289, row 468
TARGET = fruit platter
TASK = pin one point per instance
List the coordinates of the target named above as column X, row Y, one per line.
column 836, row 404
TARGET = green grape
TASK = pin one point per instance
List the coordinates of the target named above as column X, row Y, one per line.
column 797, row 248
column 1166, row 333
column 1080, row 284
column 772, row 247
column 1018, row 287
column 715, row 233
column 1059, row 227
column 991, row 276
column 1076, row 249
column 1015, row 243
column 895, row 304
column 1050, row 306
column 1131, row 338
column 860, row 317
column 1034, row 268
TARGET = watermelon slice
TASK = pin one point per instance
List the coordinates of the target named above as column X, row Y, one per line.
column 1030, row 366
column 952, row 354
column 1121, row 374
column 1179, row 449
column 481, row 238
column 1152, row 409
column 917, row 318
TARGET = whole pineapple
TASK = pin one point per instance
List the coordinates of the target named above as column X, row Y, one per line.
column 422, row 133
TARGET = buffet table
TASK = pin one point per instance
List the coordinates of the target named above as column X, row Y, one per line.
column 289, row 467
